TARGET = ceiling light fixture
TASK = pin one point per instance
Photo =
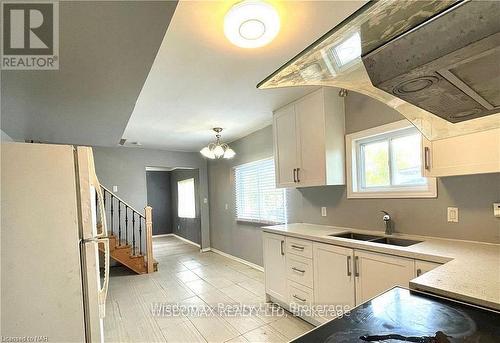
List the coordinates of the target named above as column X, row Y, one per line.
column 217, row 149
column 251, row 24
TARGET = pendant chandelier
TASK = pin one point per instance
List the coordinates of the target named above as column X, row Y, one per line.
column 217, row 149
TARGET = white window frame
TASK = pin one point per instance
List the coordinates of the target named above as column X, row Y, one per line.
column 352, row 164
column 261, row 220
column 192, row 213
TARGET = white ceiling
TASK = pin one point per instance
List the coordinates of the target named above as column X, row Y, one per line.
column 199, row 80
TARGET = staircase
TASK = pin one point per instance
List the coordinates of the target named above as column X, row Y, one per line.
column 129, row 233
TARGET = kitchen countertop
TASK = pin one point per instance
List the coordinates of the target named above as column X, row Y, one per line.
column 470, row 270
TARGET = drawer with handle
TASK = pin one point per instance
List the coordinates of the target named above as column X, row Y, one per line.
column 299, row 247
column 299, row 269
column 299, row 294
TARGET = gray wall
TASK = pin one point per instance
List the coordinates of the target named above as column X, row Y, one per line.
column 5, row 137
column 159, row 196
column 106, row 52
column 126, row 168
column 188, row 228
column 473, row 195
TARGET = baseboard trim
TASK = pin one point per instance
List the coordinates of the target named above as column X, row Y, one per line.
column 164, row 235
column 185, row 240
column 206, row 249
column 232, row 257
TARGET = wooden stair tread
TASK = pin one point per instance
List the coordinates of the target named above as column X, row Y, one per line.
column 123, row 246
column 135, row 263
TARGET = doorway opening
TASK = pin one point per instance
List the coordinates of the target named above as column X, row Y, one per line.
column 175, row 197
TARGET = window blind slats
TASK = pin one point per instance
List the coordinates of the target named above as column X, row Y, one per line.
column 257, row 198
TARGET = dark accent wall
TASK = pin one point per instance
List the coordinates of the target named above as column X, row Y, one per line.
column 188, row 228
column 160, row 198
column 126, row 168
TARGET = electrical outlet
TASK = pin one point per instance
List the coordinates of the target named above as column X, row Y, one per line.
column 115, row 189
column 496, row 209
column 453, row 214
column 205, row 200
column 323, row 211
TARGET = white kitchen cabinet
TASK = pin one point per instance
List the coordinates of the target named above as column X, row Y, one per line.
column 309, row 140
column 275, row 266
column 301, row 247
column 333, row 276
column 285, row 143
column 300, row 270
column 475, row 153
column 375, row 273
column 299, row 295
column 422, row 267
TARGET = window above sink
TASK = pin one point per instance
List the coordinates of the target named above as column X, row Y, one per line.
column 386, row 162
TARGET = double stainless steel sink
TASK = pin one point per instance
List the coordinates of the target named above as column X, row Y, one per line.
column 400, row 242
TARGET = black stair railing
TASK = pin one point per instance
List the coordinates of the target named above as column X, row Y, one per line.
column 133, row 233
column 111, row 202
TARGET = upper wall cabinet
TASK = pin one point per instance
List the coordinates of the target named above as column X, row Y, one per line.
column 309, row 140
column 474, row 153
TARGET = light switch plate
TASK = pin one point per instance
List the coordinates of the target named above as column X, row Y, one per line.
column 115, row 189
column 227, row 207
column 323, row 211
column 453, row 214
column 496, row 209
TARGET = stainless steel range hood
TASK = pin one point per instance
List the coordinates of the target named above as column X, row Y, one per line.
column 436, row 62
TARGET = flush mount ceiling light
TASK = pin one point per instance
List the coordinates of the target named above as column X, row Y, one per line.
column 251, row 24
column 217, row 149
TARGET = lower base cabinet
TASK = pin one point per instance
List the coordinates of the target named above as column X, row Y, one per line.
column 301, row 272
column 275, row 266
column 376, row 273
column 333, row 279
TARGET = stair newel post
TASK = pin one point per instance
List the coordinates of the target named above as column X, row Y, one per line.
column 148, row 210
column 133, row 233
column 119, row 222
column 111, row 200
column 126, row 224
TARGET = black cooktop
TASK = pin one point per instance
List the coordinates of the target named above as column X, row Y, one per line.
column 401, row 315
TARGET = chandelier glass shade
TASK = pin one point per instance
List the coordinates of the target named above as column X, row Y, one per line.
column 217, row 149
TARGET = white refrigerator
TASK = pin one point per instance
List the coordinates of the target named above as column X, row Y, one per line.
column 51, row 288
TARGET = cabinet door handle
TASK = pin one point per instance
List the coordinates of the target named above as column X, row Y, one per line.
column 298, row 169
column 299, row 298
column 298, row 270
column 419, row 272
column 356, row 266
column 427, row 158
column 297, row 247
column 349, row 273
column 294, row 177
column 282, row 251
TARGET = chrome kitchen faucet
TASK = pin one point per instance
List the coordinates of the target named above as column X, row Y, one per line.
column 388, row 223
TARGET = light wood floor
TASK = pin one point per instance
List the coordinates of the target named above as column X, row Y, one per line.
column 188, row 277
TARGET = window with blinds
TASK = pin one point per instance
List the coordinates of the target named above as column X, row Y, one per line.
column 257, row 198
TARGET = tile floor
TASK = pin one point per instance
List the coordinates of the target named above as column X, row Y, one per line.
column 200, row 281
